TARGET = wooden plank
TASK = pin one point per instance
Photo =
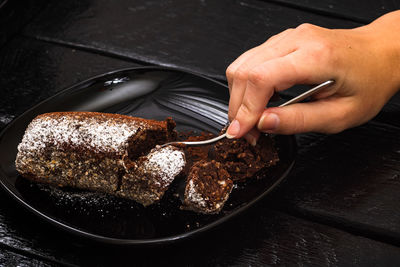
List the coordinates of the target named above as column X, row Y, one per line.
column 350, row 180
column 32, row 71
column 196, row 35
column 24, row 233
column 260, row 237
column 390, row 112
column 14, row 15
column 9, row 258
column 363, row 12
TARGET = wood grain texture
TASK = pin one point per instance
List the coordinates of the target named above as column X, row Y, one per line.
column 363, row 12
column 260, row 237
column 202, row 36
column 14, row 15
column 390, row 112
column 351, row 180
column 9, row 258
column 31, row 71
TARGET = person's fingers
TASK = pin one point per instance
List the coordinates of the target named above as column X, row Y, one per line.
column 278, row 37
column 230, row 71
column 237, row 90
column 299, row 67
column 232, row 68
column 241, row 78
column 330, row 115
column 237, row 72
column 252, row 136
column 277, row 74
column 236, row 75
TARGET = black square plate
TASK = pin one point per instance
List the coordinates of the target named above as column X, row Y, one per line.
column 195, row 102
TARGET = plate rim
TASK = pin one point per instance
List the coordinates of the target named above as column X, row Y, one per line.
column 151, row 241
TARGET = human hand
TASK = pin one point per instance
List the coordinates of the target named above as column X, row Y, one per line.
column 364, row 62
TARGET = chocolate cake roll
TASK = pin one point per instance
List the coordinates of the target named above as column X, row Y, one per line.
column 208, row 186
column 90, row 150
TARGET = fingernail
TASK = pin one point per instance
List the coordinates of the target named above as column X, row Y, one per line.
column 268, row 122
column 233, row 129
column 251, row 139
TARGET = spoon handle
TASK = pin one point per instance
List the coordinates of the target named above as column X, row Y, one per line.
column 291, row 101
column 308, row 93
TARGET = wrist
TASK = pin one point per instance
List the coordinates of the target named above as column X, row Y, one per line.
column 386, row 32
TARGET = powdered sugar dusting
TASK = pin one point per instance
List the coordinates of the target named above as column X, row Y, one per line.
column 165, row 162
column 193, row 196
column 88, row 133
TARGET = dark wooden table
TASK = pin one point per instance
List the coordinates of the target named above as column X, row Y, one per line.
column 340, row 204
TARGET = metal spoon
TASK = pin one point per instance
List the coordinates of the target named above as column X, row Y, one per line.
column 291, row 101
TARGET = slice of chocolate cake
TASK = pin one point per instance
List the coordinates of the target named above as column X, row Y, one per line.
column 147, row 179
column 243, row 160
column 208, row 186
column 118, row 154
column 87, row 150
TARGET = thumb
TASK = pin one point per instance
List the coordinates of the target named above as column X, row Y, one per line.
column 330, row 115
